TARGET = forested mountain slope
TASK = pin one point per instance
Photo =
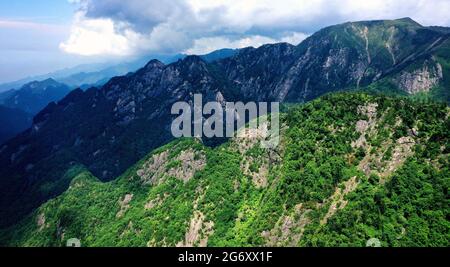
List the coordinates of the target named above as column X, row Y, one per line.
column 350, row 167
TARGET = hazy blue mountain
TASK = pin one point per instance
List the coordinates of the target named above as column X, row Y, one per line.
column 7, row 94
column 91, row 73
column 34, row 96
column 87, row 68
column 97, row 79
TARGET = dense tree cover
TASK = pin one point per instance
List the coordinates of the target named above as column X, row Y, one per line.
column 411, row 210
column 408, row 207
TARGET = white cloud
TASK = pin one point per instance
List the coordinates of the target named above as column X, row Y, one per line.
column 98, row 37
column 294, row 38
column 117, row 27
column 209, row 44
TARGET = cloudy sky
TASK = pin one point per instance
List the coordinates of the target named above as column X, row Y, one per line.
column 47, row 35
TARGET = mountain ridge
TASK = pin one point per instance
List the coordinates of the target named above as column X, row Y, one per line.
column 96, row 75
column 35, row 95
column 111, row 128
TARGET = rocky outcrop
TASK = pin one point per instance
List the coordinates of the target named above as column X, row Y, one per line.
column 153, row 169
column 337, row 200
column 124, row 204
column 422, row 79
column 41, row 221
column 182, row 167
column 188, row 163
column 365, row 127
column 289, row 228
column 156, row 202
column 198, row 232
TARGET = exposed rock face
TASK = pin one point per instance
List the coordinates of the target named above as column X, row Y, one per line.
column 390, row 44
column 248, row 137
column 422, row 79
column 338, row 200
column 34, row 96
column 289, row 229
column 156, row 202
column 185, row 165
column 403, row 149
column 260, row 74
column 41, row 221
column 124, row 205
column 365, row 127
column 374, row 162
column 221, row 207
column 189, row 163
column 154, row 168
column 198, row 232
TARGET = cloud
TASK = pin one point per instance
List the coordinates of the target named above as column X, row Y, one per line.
column 209, row 44
column 122, row 28
column 294, row 38
column 117, row 27
column 98, row 36
column 22, row 35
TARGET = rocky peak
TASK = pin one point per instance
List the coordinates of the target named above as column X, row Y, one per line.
column 154, row 63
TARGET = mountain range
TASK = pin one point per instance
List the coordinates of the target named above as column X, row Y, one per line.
column 93, row 74
column 34, row 96
column 17, row 107
column 102, row 132
column 88, row 75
